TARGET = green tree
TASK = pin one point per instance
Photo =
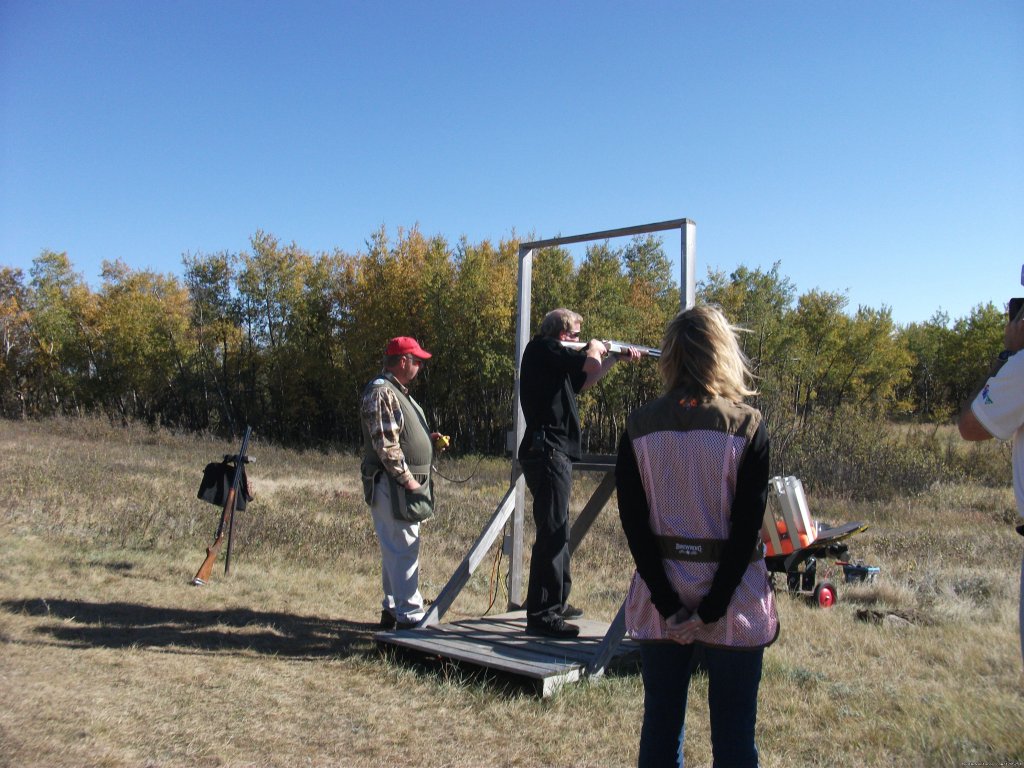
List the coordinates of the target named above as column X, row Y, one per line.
column 761, row 303
column 389, row 296
column 653, row 300
column 758, row 302
column 653, row 294
column 270, row 287
column 820, row 327
column 874, row 363
column 217, row 338
column 553, row 284
column 15, row 343
column 927, row 393
column 472, row 374
column 59, row 305
column 967, row 356
column 326, row 329
column 142, row 350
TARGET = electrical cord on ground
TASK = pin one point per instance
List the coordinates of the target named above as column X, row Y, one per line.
column 463, row 480
column 495, row 582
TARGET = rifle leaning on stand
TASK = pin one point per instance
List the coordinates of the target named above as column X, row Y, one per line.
column 618, row 348
column 202, row 576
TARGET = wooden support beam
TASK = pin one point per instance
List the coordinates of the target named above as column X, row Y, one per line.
column 608, row 646
column 589, row 513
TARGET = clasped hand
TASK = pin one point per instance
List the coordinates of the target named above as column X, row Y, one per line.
column 682, row 626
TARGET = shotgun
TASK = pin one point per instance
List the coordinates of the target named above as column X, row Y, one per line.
column 202, row 576
column 617, row 348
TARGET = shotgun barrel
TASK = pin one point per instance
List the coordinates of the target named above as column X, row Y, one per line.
column 617, row 348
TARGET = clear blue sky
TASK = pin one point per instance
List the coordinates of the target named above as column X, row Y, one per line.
column 874, row 148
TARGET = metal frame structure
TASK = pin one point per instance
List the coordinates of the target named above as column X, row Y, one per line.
column 513, row 503
column 513, row 543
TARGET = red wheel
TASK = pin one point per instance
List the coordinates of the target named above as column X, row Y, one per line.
column 825, row 595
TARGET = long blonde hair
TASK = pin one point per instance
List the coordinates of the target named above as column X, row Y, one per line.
column 701, row 355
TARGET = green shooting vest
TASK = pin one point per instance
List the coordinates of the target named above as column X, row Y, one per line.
column 411, row 506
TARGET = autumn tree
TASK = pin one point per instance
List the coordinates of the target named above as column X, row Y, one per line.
column 326, row 329
column 270, row 287
column 141, row 349
column 285, row 340
column 59, row 305
column 967, row 353
column 472, row 374
column 15, row 343
column 928, row 391
column 760, row 303
column 553, row 284
column 216, row 336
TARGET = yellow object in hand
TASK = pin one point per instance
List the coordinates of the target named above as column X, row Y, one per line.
column 441, row 442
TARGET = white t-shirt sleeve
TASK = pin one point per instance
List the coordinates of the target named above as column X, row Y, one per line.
column 999, row 406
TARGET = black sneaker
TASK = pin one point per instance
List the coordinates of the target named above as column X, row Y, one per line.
column 570, row 612
column 554, row 627
column 387, row 620
column 406, row 624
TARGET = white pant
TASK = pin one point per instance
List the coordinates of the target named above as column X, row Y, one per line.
column 399, row 557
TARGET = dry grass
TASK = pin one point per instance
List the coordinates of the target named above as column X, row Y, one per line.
column 109, row 658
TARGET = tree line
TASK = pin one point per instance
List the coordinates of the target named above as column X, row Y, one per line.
column 284, row 340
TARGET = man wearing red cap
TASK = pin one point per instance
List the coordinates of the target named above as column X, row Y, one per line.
column 398, row 452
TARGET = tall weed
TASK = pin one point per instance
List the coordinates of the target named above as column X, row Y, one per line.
column 847, row 453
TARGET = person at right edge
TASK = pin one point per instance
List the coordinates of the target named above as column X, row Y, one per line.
column 998, row 411
column 551, row 375
column 692, row 484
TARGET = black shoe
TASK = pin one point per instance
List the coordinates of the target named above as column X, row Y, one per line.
column 570, row 612
column 554, row 627
column 387, row 620
column 406, row 624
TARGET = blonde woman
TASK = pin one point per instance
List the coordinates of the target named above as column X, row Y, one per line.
column 692, row 482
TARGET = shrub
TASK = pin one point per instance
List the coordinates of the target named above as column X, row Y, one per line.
column 847, row 453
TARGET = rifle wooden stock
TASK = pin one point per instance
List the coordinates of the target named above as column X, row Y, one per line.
column 617, row 348
column 227, row 516
column 202, row 576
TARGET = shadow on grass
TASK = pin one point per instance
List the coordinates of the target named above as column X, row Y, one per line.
column 124, row 625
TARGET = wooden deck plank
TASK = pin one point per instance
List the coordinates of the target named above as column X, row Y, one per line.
column 501, row 643
column 490, row 646
column 533, row 666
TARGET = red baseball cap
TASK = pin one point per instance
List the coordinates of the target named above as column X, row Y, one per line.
column 406, row 345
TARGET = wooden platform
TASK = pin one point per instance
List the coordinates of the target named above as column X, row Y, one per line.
column 502, row 643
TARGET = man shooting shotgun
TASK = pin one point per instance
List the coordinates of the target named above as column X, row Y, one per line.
column 211, row 489
column 551, row 376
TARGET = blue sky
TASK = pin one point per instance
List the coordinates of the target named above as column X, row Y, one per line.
column 873, row 148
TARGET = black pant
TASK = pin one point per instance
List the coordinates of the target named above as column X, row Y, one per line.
column 548, row 475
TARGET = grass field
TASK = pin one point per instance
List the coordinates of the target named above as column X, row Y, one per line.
column 109, row 658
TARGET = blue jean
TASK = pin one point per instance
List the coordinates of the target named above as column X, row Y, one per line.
column 733, row 679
